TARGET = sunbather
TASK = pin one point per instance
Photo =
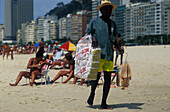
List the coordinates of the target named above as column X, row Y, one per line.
column 67, row 60
column 70, row 74
column 34, row 66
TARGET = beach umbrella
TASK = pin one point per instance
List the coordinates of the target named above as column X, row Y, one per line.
column 68, row 46
column 37, row 44
column 59, row 45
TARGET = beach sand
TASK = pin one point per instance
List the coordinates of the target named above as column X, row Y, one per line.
column 148, row 91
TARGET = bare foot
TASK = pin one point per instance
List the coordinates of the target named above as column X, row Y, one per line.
column 81, row 84
column 12, row 84
column 31, row 84
column 64, row 82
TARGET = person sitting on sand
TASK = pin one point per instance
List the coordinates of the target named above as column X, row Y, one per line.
column 33, row 65
column 66, row 60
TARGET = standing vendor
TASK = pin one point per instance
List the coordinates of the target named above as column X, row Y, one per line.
column 104, row 33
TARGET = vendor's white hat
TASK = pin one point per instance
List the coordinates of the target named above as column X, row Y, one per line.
column 106, row 2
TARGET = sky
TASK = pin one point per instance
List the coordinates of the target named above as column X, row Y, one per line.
column 41, row 7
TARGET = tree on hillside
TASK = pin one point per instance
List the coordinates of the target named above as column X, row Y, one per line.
column 62, row 11
column 87, row 5
column 60, row 4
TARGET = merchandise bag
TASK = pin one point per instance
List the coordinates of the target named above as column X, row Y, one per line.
column 87, row 59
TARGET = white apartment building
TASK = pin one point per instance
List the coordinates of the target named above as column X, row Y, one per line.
column 69, row 16
column 53, row 30
column 19, row 41
column 2, row 33
column 146, row 19
column 46, row 28
column 62, row 28
column 95, row 12
column 128, row 24
column 167, row 17
column 120, row 2
column 41, row 27
column 29, row 32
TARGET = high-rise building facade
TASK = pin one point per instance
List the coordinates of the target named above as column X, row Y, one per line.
column 79, row 23
column 69, row 26
column 140, row 19
column 95, row 12
column 120, row 2
column 128, row 23
column 29, row 32
column 1, row 32
column 120, row 19
column 62, row 28
column 41, row 27
column 53, row 30
column 167, row 17
column 149, row 19
column 16, row 13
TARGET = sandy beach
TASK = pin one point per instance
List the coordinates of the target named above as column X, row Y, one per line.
column 149, row 89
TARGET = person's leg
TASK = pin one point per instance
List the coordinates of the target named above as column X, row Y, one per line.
column 12, row 55
column 75, row 80
column 7, row 54
column 121, row 58
column 116, row 59
column 93, row 88
column 55, row 63
column 33, row 76
column 81, row 83
column 69, row 77
column 61, row 73
column 106, row 88
column 4, row 55
column 21, row 74
column 117, row 54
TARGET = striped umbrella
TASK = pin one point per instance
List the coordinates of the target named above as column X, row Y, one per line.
column 68, row 46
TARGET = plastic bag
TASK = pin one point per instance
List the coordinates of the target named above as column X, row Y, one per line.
column 87, row 59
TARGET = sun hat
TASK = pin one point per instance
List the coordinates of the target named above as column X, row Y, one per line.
column 106, row 2
column 45, row 54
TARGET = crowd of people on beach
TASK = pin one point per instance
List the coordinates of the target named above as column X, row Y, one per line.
column 43, row 57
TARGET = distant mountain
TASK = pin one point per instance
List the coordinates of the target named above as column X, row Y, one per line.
column 135, row 1
column 62, row 10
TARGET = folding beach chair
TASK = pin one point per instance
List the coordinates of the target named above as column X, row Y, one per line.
column 44, row 74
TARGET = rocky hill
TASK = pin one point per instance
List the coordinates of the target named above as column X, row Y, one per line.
column 62, row 10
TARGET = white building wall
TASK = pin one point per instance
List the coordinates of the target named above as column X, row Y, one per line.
column 2, row 34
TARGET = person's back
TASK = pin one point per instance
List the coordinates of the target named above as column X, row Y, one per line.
column 41, row 44
column 6, row 47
